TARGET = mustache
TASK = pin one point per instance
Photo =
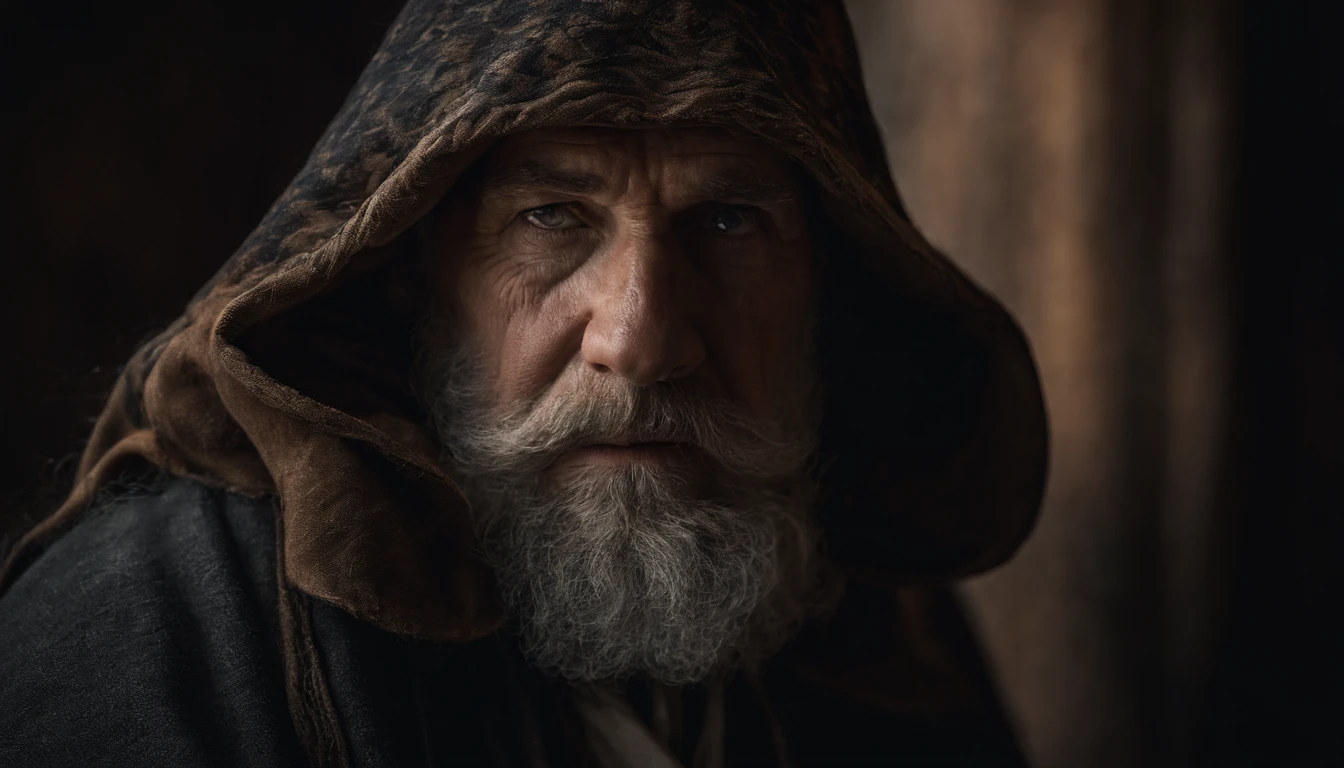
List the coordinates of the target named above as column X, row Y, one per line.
column 615, row 412
column 581, row 409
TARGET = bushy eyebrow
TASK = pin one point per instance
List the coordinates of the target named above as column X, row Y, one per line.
column 747, row 184
column 738, row 183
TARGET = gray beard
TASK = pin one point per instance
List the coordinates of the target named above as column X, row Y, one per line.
column 674, row 572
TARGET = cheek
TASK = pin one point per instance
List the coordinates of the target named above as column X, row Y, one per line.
column 527, row 330
column 537, row 344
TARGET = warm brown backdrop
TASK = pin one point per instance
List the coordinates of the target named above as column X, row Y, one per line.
column 1146, row 183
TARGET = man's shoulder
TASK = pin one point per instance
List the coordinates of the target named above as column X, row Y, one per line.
column 147, row 629
column 168, row 533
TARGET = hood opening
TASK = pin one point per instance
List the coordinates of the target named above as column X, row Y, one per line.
column 289, row 371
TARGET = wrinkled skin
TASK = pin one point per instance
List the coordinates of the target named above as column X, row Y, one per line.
column 621, row 373
column 649, row 254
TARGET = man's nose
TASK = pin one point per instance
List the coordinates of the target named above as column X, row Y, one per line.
column 642, row 324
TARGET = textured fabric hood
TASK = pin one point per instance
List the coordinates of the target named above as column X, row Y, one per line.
column 288, row 374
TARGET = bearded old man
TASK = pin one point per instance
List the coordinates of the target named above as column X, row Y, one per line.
column 587, row 399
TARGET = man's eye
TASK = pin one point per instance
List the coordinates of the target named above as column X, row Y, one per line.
column 553, row 217
column 730, row 221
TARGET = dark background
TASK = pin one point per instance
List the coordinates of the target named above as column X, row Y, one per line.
column 142, row 143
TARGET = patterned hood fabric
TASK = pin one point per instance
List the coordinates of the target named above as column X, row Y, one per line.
column 289, row 372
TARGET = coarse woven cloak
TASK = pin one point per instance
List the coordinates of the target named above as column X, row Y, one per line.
column 289, row 372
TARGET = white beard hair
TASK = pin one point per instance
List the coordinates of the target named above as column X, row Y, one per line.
column 627, row 571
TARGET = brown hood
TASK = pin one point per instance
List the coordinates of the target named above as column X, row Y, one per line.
column 288, row 373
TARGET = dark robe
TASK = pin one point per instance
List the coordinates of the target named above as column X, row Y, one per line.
column 148, row 636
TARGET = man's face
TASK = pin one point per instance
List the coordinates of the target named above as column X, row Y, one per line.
column 621, row 370
column 649, row 255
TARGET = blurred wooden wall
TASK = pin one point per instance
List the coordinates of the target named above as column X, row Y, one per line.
column 1085, row 160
